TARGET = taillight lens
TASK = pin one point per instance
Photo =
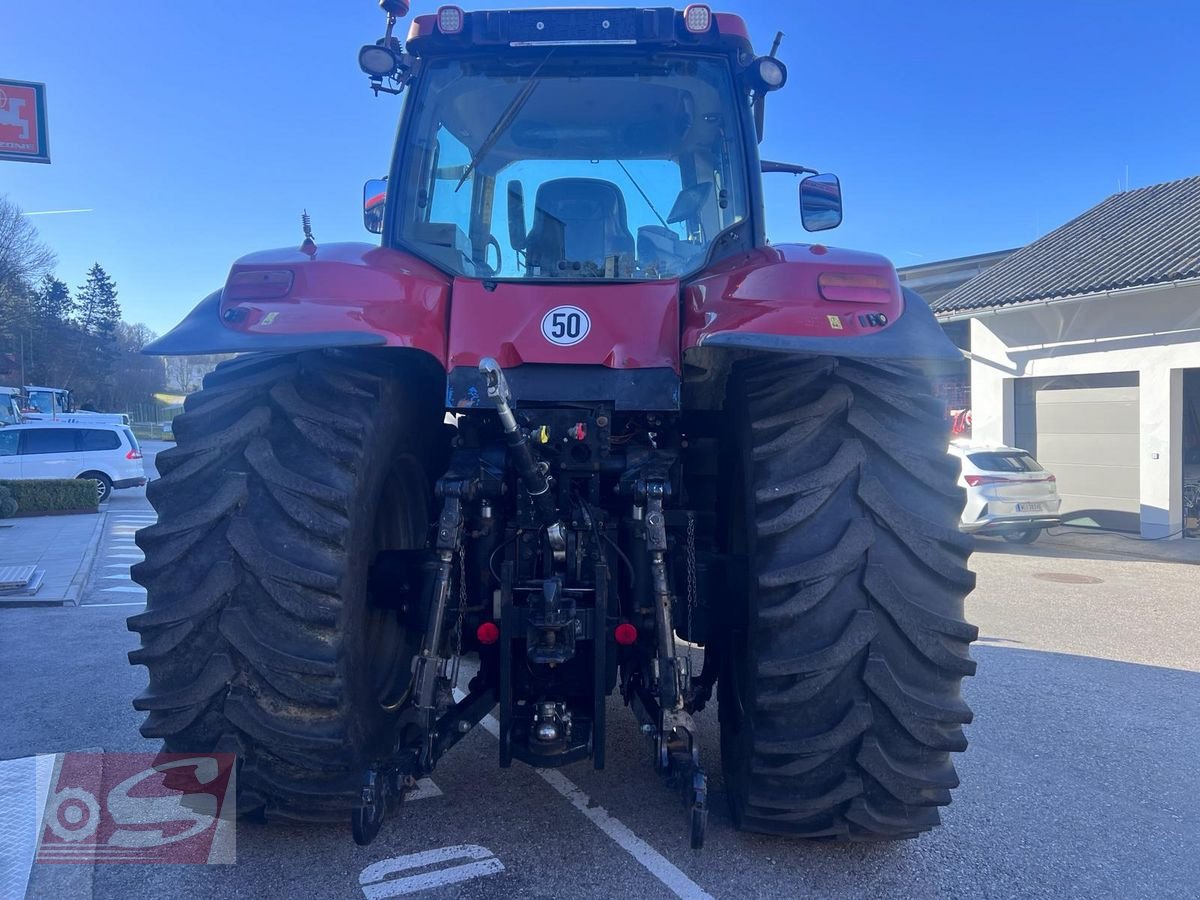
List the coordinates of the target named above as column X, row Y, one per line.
column 978, row 480
column 450, row 20
column 854, row 287
column 134, row 454
column 697, row 18
column 258, row 284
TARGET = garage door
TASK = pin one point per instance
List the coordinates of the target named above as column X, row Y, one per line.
column 1084, row 429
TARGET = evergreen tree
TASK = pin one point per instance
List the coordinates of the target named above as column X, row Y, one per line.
column 96, row 308
column 53, row 301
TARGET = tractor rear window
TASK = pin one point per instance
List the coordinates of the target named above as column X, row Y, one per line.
column 567, row 166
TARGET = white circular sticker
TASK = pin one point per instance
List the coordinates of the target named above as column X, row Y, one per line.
column 565, row 325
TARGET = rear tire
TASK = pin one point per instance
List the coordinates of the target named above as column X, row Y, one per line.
column 1027, row 536
column 839, row 700
column 288, row 474
column 104, row 486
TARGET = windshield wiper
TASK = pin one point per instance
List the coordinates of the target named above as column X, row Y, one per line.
column 506, row 119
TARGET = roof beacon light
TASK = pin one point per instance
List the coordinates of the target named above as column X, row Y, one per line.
column 450, row 19
column 697, row 18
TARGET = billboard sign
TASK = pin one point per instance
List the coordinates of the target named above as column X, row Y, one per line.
column 23, row 134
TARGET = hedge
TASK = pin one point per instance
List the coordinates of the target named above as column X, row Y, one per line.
column 42, row 495
column 8, row 506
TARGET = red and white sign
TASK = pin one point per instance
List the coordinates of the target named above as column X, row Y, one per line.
column 140, row 808
column 23, row 122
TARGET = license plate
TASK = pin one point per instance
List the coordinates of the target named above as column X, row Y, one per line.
column 1029, row 507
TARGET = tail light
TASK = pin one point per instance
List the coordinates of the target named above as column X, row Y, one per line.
column 450, row 19
column 697, row 18
column 258, row 284
column 980, row 480
column 134, row 454
column 855, row 287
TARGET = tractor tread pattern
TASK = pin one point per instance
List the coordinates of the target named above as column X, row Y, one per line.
column 856, row 641
column 243, row 573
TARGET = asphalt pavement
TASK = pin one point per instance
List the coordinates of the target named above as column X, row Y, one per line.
column 1080, row 780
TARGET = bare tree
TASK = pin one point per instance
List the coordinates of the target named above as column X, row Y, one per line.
column 23, row 256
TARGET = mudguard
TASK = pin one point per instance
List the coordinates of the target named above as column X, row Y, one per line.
column 343, row 295
column 799, row 298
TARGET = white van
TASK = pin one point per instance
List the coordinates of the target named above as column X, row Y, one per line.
column 106, row 454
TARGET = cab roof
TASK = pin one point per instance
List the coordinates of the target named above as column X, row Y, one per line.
column 596, row 27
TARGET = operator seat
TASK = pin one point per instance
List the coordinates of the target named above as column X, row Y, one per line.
column 578, row 221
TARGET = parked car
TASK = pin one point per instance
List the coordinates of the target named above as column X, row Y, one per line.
column 107, row 454
column 1008, row 492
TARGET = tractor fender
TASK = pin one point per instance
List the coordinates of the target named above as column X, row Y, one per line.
column 774, row 299
column 342, row 295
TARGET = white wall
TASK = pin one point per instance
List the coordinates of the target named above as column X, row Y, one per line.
column 1154, row 332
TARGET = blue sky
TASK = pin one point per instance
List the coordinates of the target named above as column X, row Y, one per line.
column 198, row 131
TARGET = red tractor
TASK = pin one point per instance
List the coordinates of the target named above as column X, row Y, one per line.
column 576, row 419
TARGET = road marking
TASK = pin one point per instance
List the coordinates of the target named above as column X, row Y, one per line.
column 124, row 577
column 425, row 790
column 653, row 861
column 123, row 556
column 375, row 888
column 125, row 590
column 124, row 566
column 130, row 603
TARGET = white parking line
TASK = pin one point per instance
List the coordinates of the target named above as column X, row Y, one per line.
column 130, row 603
column 374, row 887
column 653, row 861
column 138, row 556
column 125, row 590
column 124, row 566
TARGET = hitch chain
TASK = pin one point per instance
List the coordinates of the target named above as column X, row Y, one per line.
column 678, row 755
column 691, row 586
column 462, row 612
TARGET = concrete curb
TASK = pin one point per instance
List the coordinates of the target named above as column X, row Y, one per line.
column 84, row 572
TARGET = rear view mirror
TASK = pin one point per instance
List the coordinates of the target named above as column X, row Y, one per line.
column 516, row 215
column 374, row 195
column 820, row 202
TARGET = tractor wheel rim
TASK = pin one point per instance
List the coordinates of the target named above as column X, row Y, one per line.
column 389, row 645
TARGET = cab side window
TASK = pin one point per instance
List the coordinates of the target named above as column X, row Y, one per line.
column 48, row 440
column 95, row 439
column 8, row 442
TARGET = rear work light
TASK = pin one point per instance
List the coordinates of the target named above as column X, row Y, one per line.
column 697, row 18
column 450, row 19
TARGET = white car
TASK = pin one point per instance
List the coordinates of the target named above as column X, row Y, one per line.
column 107, row 454
column 1008, row 492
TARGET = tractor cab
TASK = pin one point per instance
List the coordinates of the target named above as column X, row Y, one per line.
column 614, row 144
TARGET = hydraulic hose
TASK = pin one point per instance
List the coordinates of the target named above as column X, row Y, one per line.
column 536, row 482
